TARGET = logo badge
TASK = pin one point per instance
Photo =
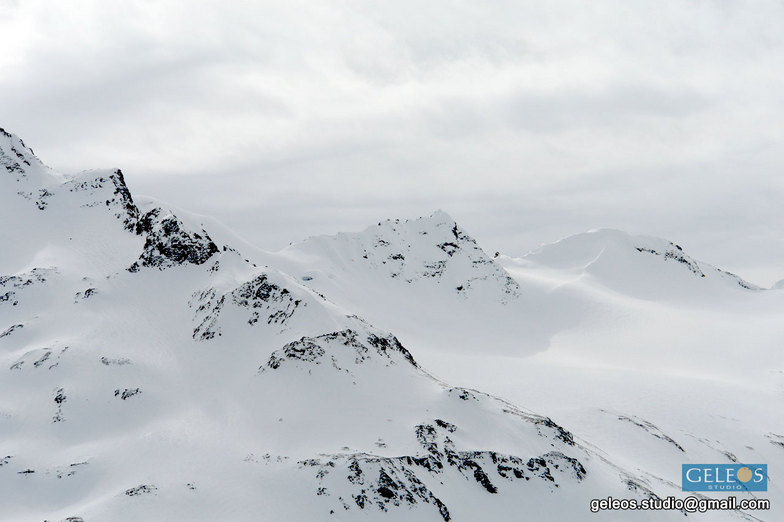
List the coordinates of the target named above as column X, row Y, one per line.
column 724, row 477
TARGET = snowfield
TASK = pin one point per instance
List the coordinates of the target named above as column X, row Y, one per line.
column 153, row 366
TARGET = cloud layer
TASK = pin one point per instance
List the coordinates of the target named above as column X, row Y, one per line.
column 525, row 120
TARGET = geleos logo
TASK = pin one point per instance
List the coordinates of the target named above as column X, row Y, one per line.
column 724, row 477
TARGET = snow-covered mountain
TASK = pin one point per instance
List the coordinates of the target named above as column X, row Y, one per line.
column 427, row 278
column 638, row 265
column 150, row 370
column 424, row 252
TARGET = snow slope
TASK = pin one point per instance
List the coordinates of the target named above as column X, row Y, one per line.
column 662, row 359
column 428, row 280
column 150, row 370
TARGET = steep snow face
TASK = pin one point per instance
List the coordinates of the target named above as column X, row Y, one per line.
column 18, row 162
column 60, row 218
column 105, row 188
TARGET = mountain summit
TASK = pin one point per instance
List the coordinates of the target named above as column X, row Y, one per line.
column 19, row 161
column 636, row 265
column 432, row 250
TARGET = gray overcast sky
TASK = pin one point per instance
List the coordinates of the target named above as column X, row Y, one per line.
column 527, row 121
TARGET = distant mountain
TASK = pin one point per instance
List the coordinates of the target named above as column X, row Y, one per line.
column 429, row 281
column 641, row 266
column 426, row 277
column 433, row 251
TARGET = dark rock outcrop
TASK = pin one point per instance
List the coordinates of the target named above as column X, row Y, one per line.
column 109, row 191
column 169, row 243
column 338, row 347
column 383, row 483
column 268, row 302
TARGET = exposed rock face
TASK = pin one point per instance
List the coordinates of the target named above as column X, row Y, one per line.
column 169, row 243
column 127, row 393
column 265, row 297
column 15, row 156
column 209, row 305
column 11, row 329
column 677, row 255
column 345, row 348
column 59, row 399
column 435, row 439
column 456, row 259
column 12, row 286
column 675, row 252
column 41, row 186
column 40, row 358
column 650, row 428
column 142, row 489
column 385, row 483
column 268, row 302
column 122, row 361
column 375, row 483
column 360, row 480
column 109, row 190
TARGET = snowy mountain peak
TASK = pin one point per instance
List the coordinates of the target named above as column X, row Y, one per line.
column 20, row 162
column 106, row 188
column 441, row 217
column 14, row 144
column 618, row 258
column 427, row 250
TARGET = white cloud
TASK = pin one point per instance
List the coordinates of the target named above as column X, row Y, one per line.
column 526, row 120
